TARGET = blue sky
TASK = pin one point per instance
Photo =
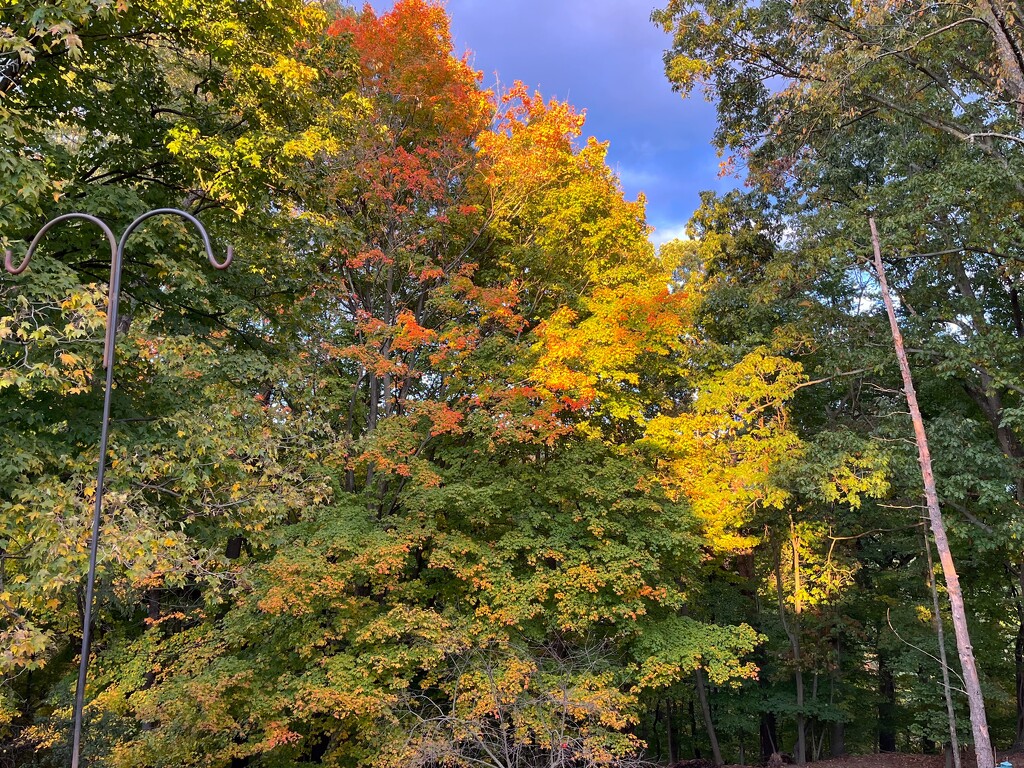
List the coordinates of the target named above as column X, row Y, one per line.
column 604, row 56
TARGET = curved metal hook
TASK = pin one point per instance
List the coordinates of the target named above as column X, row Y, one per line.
column 188, row 217
column 17, row 270
column 113, row 292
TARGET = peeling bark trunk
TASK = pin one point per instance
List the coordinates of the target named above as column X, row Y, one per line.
column 979, row 723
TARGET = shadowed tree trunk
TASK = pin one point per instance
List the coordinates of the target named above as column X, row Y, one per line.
column 705, row 709
column 886, row 705
column 837, row 737
column 793, row 633
column 769, row 736
column 1017, row 591
column 673, row 747
column 697, row 755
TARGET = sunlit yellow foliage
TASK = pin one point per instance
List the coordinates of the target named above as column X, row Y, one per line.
column 722, row 455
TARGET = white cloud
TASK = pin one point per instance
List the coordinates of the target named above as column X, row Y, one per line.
column 636, row 177
column 662, row 235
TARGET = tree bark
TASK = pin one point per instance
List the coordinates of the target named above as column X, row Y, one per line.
column 979, row 723
column 693, row 730
column 837, row 739
column 1010, row 61
column 673, row 747
column 801, row 719
column 152, row 616
column 954, row 742
column 705, row 709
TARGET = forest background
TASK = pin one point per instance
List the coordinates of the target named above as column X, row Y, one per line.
column 506, row 486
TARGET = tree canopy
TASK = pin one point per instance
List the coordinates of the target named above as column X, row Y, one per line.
column 453, row 467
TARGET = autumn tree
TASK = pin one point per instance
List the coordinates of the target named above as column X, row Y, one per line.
column 417, row 410
column 907, row 111
column 489, row 360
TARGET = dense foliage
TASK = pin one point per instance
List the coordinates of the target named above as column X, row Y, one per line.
column 512, row 488
column 908, row 112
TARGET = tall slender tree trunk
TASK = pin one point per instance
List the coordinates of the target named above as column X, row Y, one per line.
column 705, row 709
column 655, row 732
column 979, row 723
column 817, row 739
column 794, row 642
column 153, row 616
column 693, row 731
column 886, row 705
column 954, row 742
column 768, row 736
column 673, row 747
column 801, row 718
column 837, row 738
column 1018, row 655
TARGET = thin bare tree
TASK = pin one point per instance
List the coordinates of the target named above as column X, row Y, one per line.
column 976, row 703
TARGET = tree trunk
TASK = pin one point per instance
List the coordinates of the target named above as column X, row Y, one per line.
column 693, row 731
column 979, row 723
column 769, row 736
column 817, row 741
column 709, row 725
column 954, row 742
column 793, row 633
column 673, row 747
column 654, row 731
column 152, row 616
column 886, row 705
column 1018, row 659
column 1017, row 590
column 1010, row 62
column 837, row 739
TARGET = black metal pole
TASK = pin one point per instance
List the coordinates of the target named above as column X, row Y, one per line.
column 113, row 295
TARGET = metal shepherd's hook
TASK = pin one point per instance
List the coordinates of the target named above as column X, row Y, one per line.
column 114, row 290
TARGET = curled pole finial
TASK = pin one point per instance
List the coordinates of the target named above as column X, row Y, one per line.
column 17, row 270
column 113, row 291
column 188, row 217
